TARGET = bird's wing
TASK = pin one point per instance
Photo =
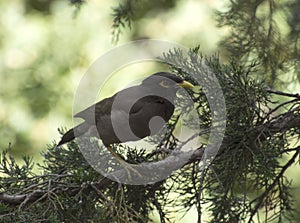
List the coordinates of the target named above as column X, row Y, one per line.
column 101, row 108
column 153, row 106
column 140, row 104
column 104, row 107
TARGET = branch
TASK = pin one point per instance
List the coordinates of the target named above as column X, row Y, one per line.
column 283, row 122
column 283, row 93
column 18, row 199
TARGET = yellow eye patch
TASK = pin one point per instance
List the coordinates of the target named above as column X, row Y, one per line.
column 164, row 84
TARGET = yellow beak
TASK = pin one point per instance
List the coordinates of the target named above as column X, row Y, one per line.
column 186, row 84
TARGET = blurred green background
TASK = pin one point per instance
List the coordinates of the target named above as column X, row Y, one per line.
column 46, row 46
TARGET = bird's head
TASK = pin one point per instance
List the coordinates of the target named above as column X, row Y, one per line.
column 166, row 81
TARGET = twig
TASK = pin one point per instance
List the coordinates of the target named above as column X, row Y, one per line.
column 281, row 105
column 282, row 122
column 297, row 95
column 160, row 211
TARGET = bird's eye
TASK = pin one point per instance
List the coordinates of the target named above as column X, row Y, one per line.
column 165, row 84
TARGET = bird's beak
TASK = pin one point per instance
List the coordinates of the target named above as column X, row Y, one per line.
column 186, row 84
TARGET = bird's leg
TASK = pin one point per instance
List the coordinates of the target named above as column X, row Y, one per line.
column 127, row 166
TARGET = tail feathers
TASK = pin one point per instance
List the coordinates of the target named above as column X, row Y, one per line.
column 70, row 135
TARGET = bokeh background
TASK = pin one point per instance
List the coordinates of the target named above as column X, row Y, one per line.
column 46, row 46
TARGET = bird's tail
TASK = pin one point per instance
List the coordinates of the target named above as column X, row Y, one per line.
column 70, row 135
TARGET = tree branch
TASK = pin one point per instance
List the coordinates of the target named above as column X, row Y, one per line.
column 283, row 122
column 283, row 93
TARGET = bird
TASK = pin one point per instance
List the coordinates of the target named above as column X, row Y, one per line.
column 132, row 113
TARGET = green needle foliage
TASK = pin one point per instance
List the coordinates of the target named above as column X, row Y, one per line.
column 129, row 11
column 267, row 32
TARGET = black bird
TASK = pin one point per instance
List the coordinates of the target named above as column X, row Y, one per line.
column 131, row 114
